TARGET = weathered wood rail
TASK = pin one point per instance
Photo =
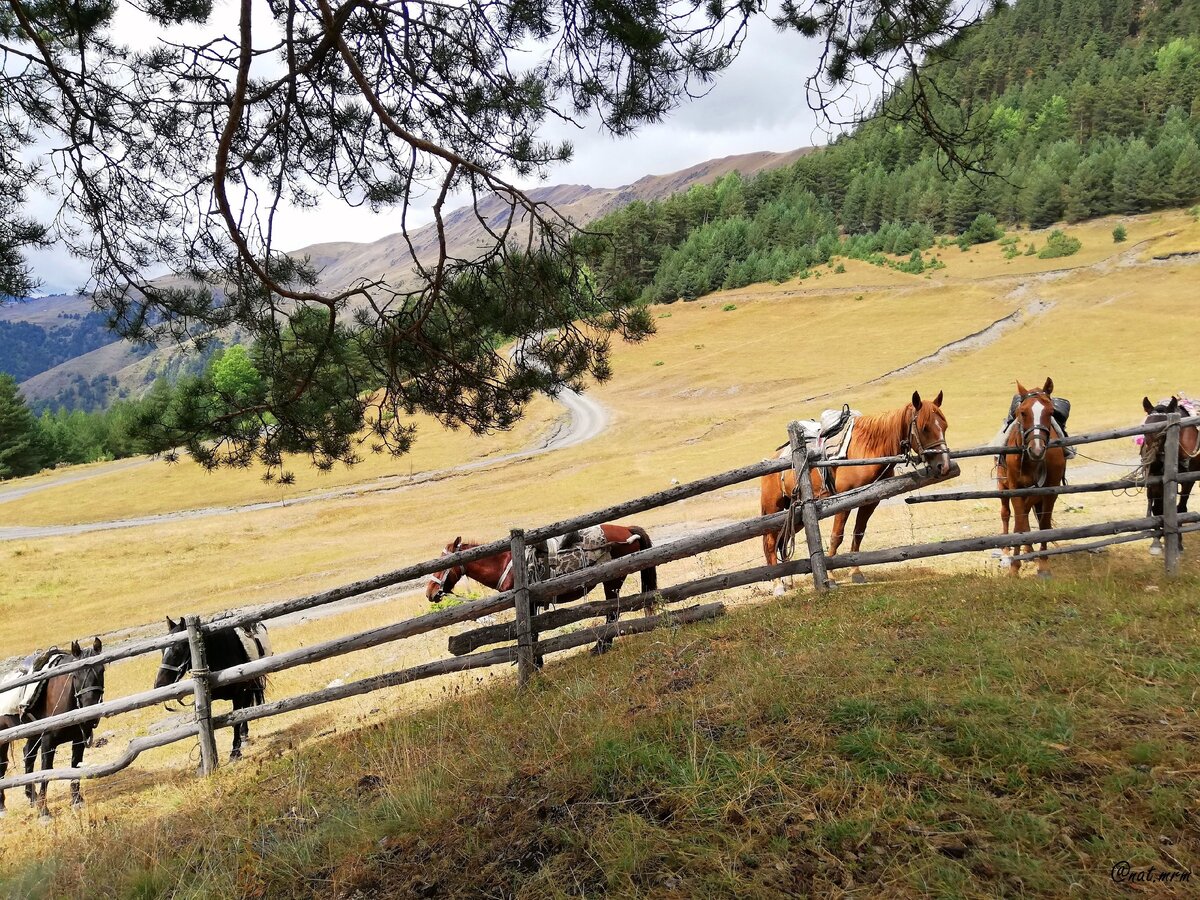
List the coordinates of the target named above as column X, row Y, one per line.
column 522, row 635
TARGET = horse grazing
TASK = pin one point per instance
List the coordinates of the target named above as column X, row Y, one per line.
column 1154, row 452
column 59, row 694
column 224, row 648
column 918, row 428
column 497, row 571
column 1029, row 461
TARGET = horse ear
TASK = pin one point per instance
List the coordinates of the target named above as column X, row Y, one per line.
column 1021, row 389
column 170, row 624
column 1049, row 385
column 1147, row 405
column 75, row 651
column 937, row 401
column 96, row 645
column 916, row 400
column 1174, row 407
column 457, row 542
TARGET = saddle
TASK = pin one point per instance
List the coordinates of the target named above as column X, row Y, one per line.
column 1059, row 413
column 254, row 640
column 16, row 701
column 573, row 551
column 826, row 438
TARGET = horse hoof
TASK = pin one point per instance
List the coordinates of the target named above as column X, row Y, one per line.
column 779, row 590
column 1156, row 551
column 1045, row 575
column 3, row 813
column 858, row 578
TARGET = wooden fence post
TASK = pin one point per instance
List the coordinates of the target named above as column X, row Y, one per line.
column 808, row 511
column 1170, row 491
column 203, row 694
column 525, row 660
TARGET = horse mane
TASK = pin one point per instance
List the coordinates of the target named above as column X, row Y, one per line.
column 880, row 434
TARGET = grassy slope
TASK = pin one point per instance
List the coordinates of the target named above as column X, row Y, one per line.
column 962, row 737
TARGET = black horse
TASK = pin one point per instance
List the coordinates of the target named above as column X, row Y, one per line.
column 1154, row 457
column 59, row 694
column 224, row 649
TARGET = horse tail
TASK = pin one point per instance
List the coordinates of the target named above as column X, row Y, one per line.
column 649, row 576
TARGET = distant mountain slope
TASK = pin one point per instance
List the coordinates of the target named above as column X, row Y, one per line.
column 343, row 262
column 115, row 368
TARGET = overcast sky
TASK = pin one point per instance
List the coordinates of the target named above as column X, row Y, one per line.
column 758, row 104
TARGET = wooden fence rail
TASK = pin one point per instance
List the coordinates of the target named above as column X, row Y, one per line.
column 526, row 628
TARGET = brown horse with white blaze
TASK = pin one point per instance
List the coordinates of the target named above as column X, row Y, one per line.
column 497, row 572
column 917, row 428
column 1029, row 461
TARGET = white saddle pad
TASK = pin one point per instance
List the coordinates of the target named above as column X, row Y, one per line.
column 255, row 640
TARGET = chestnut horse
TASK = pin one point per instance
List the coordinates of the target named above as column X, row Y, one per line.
column 917, row 427
column 497, row 572
column 61, row 694
column 1030, row 462
column 1154, row 456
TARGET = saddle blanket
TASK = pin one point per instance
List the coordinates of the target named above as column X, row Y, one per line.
column 829, row 436
column 254, row 640
column 573, row 551
column 14, row 702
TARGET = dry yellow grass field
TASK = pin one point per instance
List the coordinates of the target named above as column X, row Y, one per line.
column 713, row 390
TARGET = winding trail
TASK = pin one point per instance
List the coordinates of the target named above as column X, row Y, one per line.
column 583, row 420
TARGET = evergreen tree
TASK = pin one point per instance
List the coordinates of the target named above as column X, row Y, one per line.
column 1185, row 176
column 21, row 452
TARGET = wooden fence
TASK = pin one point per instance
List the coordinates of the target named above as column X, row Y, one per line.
column 525, row 631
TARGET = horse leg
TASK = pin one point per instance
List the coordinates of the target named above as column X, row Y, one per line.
column 835, row 540
column 77, row 748
column 1185, row 491
column 1154, row 506
column 1045, row 511
column 31, row 752
column 612, row 590
column 1005, row 515
column 1021, row 511
column 236, row 753
column 770, row 551
column 48, row 752
column 860, row 529
column 3, row 772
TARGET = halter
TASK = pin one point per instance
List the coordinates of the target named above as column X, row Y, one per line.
column 1035, row 428
column 440, row 580
column 914, row 449
column 80, row 693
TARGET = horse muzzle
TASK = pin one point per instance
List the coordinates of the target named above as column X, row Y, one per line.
column 435, row 596
column 1036, row 450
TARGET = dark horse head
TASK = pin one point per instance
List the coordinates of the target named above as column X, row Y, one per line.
column 224, row 648
column 88, row 682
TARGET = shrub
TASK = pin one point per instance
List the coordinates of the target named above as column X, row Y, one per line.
column 983, row 230
column 840, row 270
column 729, row 307
column 1119, row 234
column 1059, row 244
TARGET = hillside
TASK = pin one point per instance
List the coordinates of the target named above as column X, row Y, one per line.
column 104, row 369
column 888, row 742
column 343, row 262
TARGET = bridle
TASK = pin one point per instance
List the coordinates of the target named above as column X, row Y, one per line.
column 440, row 579
column 1035, row 429
column 914, row 449
column 81, row 692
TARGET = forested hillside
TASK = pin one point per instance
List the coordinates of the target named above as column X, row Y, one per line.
column 1079, row 108
column 28, row 348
